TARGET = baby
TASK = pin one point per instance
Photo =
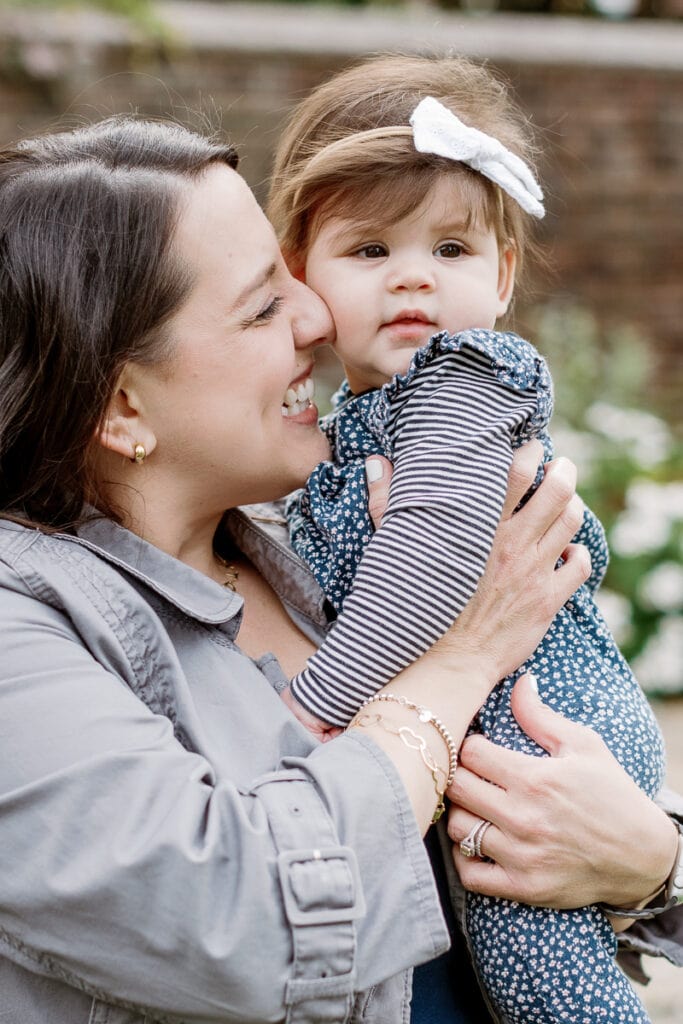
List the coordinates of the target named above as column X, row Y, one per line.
column 403, row 194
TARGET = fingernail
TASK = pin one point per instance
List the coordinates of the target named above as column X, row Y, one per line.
column 533, row 681
column 374, row 470
column 560, row 466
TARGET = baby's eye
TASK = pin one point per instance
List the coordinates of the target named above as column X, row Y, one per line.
column 450, row 250
column 372, row 251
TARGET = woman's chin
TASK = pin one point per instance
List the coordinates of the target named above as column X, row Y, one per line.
column 305, row 447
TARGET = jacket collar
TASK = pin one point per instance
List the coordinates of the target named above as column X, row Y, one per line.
column 189, row 590
column 259, row 531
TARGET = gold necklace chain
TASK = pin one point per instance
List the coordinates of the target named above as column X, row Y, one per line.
column 232, row 573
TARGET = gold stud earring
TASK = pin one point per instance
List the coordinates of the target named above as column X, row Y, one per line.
column 139, row 454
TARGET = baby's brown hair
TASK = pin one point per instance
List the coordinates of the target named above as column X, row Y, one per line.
column 347, row 150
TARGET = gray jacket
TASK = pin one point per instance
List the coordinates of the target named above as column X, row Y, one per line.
column 171, row 838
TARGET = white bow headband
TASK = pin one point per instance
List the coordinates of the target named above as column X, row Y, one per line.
column 437, row 130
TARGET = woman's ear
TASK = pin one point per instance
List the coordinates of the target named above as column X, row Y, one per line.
column 124, row 425
column 507, row 266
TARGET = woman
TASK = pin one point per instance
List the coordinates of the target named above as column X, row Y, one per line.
column 174, row 844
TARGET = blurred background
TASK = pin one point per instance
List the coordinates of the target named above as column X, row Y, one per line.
column 603, row 83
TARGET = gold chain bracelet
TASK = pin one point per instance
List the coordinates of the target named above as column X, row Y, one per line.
column 414, row 741
column 429, row 718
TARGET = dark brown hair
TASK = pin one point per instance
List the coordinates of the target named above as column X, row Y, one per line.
column 347, row 149
column 88, row 279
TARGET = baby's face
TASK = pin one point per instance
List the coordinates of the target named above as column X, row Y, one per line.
column 391, row 290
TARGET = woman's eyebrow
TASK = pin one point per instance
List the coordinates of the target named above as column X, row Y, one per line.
column 253, row 286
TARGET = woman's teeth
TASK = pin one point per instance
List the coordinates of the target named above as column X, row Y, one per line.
column 298, row 398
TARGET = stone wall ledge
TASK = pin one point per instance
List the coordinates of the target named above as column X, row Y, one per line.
column 337, row 31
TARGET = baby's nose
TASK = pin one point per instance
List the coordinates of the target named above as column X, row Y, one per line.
column 411, row 275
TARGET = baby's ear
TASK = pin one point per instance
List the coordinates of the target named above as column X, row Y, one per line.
column 506, row 277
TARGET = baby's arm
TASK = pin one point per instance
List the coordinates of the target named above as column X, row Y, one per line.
column 454, row 429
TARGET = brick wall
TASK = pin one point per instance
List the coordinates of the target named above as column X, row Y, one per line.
column 609, row 98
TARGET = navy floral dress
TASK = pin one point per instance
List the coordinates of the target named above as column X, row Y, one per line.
column 450, row 425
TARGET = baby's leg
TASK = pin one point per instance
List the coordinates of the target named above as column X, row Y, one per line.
column 542, row 966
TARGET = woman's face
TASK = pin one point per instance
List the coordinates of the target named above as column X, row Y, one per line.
column 222, row 408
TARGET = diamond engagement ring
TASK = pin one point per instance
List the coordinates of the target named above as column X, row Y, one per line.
column 471, row 844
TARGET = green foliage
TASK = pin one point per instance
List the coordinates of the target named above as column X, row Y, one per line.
column 139, row 12
column 631, row 473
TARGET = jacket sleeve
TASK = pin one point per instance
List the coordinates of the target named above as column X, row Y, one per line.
column 662, row 933
column 131, row 871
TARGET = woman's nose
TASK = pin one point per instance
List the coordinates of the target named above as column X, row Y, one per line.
column 313, row 324
column 412, row 275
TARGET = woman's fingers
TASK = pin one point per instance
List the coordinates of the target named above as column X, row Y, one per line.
column 569, row 576
column 378, row 471
column 491, row 878
column 548, row 728
column 547, row 507
column 500, row 874
column 568, row 830
column 487, row 771
column 562, row 529
column 522, row 474
column 475, row 796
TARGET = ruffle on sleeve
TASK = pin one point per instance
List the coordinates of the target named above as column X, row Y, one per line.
column 515, row 362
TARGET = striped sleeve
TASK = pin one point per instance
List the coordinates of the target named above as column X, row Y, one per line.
column 453, row 430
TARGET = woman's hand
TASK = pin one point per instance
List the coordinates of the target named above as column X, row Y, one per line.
column 378, row 472
column 522, row 588
column 568, row 830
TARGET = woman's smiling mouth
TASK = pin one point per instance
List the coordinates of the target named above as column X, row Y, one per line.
column 298, row 398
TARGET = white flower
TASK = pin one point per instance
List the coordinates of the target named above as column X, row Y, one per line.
column 616, row 611
column 659, row 666
column 645, row 524
column 647, row 437
column 577, row 445
column 636, row 534
column 646, row 496
column 662, row 588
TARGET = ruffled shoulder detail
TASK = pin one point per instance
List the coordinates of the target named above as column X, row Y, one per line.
column 515, row 363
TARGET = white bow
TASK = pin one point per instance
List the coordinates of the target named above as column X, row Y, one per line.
column 437, row 130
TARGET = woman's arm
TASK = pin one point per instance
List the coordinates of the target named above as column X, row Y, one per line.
column 166, row 884
column 453, row 449
column 520, row 592
column 146, row 874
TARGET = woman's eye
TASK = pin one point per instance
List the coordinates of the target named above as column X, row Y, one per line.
column 268, row 312
column 373, row 251
column 450, row 250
